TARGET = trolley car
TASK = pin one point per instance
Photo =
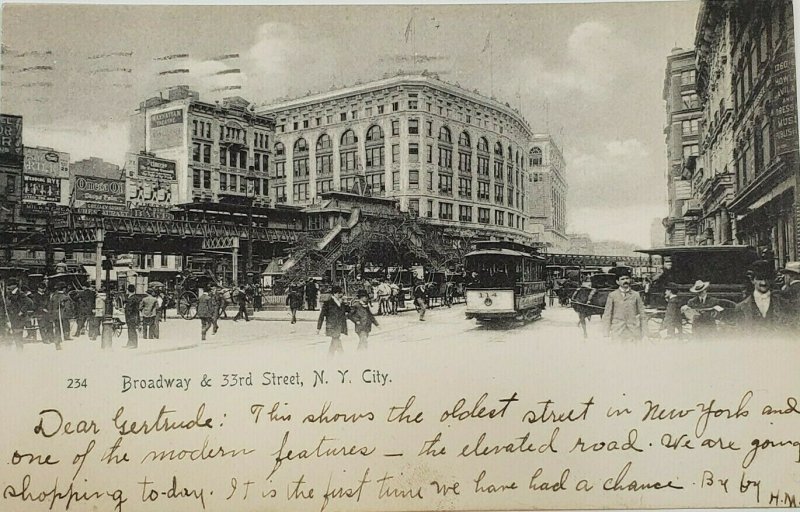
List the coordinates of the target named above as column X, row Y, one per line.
column 506, row 281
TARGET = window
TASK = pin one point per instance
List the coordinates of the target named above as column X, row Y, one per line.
column 223, row 181
column 511, row 219
column 375, row 157
column 430, row 208
column 412, row 104
column 396, row 180
column 444, row 135
column 207, row 153
column 194, row 127
column 324, row 142
column 445, row 158
column 280, row 194
column 380, row 109
column 446, row 211
column 318, row 121
column 264, row 188
column 196, row 151
column 300, row 192
column 354, row 114
column 690, row 127
column 766, row 144
column 368, row 111
column 691, row 150
column 429, row 128
column 483, row 145
column 499, row 217
column 687, row 77
column 324, row 164
column 536, row 156
column 280, row 150
column 445, row 184
column 465, row 213
column 483, row 215
column 243, row 159
column 223, row 156
column 328, row 119
column 395, row 106
column 463, row 140
column 233, row 181
column 429, row 180
column 413, row 179
column 413, row 153
column 498, row 169
column 510, row 196
column 294, row 125
column 375, row 134
column 242, row 184
column 690, row 100
column 377, row 182
column 429, row 154
column 343, row 116
column 206, row 179
column 348, row 138
column 464, row 162
column 305, row 123
column 413, row 126
column 347, row 184
column 413, row 207
column 324, row 186
column 347, row 161
column 395, row 127
column 300, row 167
column 196, row 178
column 498, row 194
column 483, row 191
column 395, row 153
column 483, row 166
column 465, row 188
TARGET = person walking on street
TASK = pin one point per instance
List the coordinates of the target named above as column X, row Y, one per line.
column 294, row 299
column 206, row 311
column 61, row 310
column 334, row 313
column 148, row 311
column 84, row 309
column 41, row 311
column 132, row 318
column 384, row 291
column 673, row 318
column 19, row 308
column 394, row 298
column 624, row 311
column 242, row 299
column 311, row 294
column 217, row 306
column 363, row 318
column 421, row 299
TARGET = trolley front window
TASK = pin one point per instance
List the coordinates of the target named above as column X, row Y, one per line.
column 492, row 271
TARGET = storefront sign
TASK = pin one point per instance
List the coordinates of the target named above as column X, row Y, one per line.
column 166, row 129
column 100, row 190
column 111, row 210
column 43, row 161
column 784, row 110
column 11, row 140
column 155, row 168
column 41, row 188
column 43, row 209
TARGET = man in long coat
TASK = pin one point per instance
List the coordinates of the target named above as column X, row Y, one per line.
column 363, row 318
column 624, row 312
column 763, row 312
column 334, row 314
column 132, row 317
column 207, row 311
column 19, row 308
column 61, row 308
column 41, row 310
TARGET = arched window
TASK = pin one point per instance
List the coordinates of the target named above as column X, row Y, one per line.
column 348, row 138
column 498, row 150
column 510, row 154
column 301, row 146
column 324, row 142
column 483, row 144
column 536, row 156
column 463, row 140
column 444, row 135
column 280, row 150
column 374, row 134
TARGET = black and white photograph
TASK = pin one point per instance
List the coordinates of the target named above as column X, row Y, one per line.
column 385, row 257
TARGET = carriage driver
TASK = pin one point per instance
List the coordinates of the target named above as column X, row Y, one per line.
column 624, row 312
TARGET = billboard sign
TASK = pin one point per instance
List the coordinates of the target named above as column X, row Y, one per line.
column 784, row 108
column 150, row 193
column 100, row 190
column 47, row 162
column 11, row 140
column 41, row 188
column 166, row 129
column 155, row 168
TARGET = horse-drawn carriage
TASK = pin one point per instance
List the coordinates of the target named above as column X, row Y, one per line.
column 188, row 289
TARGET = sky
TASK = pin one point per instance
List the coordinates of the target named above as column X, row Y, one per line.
column 592, row 75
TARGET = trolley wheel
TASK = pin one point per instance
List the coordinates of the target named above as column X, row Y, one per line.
column 531, row 315
column 187, row 305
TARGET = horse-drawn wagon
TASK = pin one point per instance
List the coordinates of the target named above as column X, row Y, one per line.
column 188, row 289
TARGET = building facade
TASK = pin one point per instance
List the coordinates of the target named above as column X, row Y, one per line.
column 547, row 199
column 446, row 154
column 764, row 124
column 214, row 146
column 682, row 132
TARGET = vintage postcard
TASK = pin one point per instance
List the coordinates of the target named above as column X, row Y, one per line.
column 399, row 257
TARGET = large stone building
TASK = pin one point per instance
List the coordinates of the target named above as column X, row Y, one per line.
column 547, row 199
column 452, row 156
column 214, row 146
column 682, row 132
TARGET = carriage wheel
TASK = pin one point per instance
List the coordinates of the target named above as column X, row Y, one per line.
column 187, row 305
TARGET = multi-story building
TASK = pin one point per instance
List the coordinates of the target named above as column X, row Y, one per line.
column 214, row 145
column 682, row 132
column 452, row 156
column 713, row 177
column 764, row 123
column 547, row 198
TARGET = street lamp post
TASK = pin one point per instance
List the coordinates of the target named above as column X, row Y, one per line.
column 251, row 196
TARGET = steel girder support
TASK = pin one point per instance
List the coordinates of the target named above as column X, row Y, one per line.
column 75, row 235
column 220, row 242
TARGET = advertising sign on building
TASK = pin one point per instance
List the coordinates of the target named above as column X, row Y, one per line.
column 150, row 193
column 166, row 129
column 41, row 188
column 11, row 140
column 784, row 111
column 155, row 168
column 92, row 189
column 683, row 189
column 47, row 162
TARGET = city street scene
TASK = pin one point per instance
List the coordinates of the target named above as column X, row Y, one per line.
column 295, row 179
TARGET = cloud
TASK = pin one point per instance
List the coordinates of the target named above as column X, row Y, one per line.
column 274, row 57
column 627, row 223
column 108, row 141
column 626, row 148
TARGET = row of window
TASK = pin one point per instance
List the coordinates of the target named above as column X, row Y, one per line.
column 756, row 156
column 465, row 212
column 201, row 179
column 375, row 136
